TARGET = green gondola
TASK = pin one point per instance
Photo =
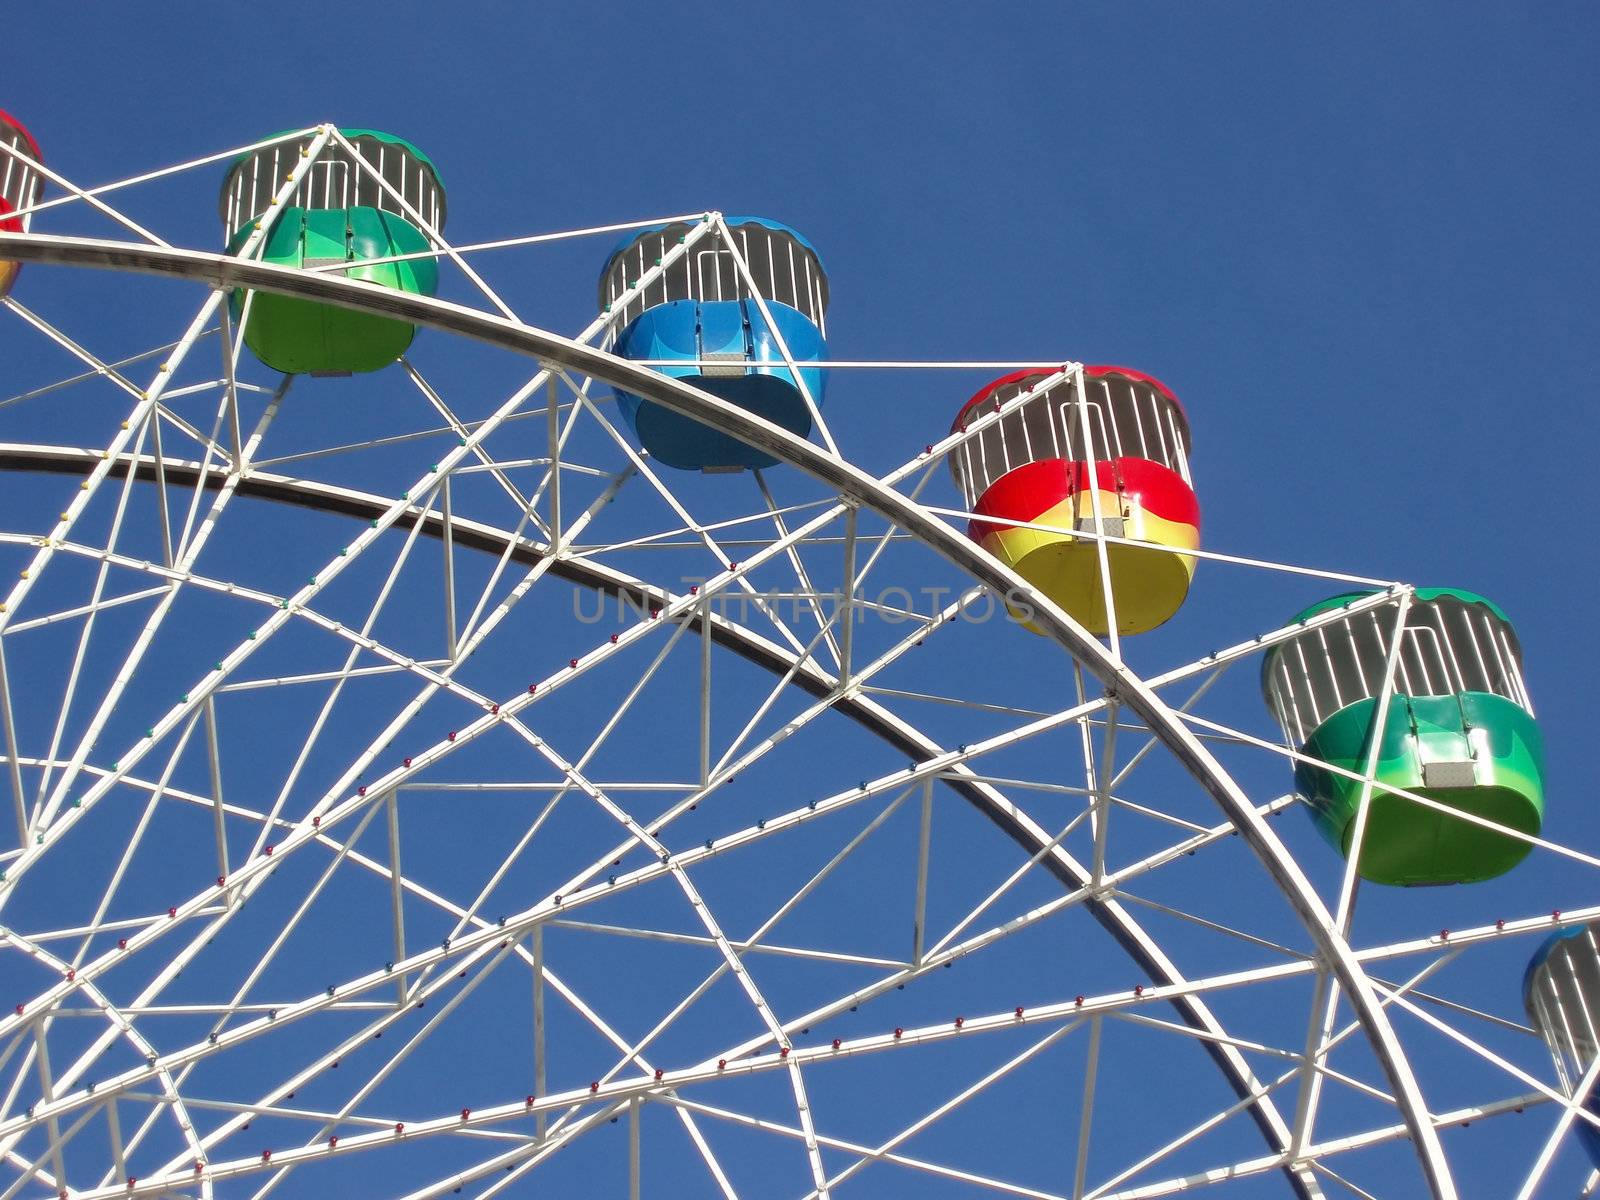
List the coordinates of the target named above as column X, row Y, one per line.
column 1458, row 730
column 340, row 213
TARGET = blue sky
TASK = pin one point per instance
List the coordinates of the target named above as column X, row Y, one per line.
column 1358, row 241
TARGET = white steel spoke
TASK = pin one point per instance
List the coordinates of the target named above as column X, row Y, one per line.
column 157, row 794
column 1086, row 1116
column 1411, row 797
column 1489, row 1056
column 152, row 624
column 649, row 474
column 1261, row 1090
column 814, row 601
column 105, row 189
column 1108, row 539
column 520, row 502
column 92, row 200
column 1092, row 484
column 730, row 244
column 1569, row 1113
column 69, row 687
column 950, row 1105
column 889, row 1156
column 98, row 369
column 113, row 370
column 394, row 195
column 702, row 912
column 919, row 918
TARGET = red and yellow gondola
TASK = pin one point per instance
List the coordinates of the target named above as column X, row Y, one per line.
column 20, row 185
column 1061, row 465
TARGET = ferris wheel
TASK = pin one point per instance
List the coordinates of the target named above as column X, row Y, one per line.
column 448, row 756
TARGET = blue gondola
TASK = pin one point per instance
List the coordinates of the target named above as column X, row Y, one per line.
column 1561, row 991
column 701, row 313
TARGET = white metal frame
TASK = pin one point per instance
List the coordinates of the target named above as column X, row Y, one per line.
column 431, row 506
